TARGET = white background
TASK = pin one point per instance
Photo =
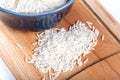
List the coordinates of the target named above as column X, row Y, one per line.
column 113, row 7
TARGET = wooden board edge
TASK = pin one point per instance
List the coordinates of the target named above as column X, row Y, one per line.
column 103, row 17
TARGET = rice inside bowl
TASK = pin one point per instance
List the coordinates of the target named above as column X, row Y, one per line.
column 31, row 6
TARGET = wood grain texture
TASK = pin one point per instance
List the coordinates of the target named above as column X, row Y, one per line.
column 102, row 14
column 14, row 56
column 108, row 69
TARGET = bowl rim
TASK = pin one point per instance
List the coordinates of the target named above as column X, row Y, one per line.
column 37, row 14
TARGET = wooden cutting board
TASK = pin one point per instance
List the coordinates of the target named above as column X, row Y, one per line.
column 14, row 56
column 108, row 69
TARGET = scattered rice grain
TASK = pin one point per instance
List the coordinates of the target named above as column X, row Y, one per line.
column 103, row 37
column 19, row 46
column 59, row 50
column 85, row 61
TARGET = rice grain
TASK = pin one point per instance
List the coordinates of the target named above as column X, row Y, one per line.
column 59, row 50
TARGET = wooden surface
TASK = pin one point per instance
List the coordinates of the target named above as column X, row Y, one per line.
column 108, row 69
column 14, row 56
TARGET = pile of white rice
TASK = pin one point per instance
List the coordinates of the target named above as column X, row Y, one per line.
column 59, row 50
column 31, row 6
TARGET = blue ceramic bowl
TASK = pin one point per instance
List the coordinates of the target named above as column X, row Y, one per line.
column 34, row 22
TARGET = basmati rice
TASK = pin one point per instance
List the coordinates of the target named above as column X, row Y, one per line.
column 19, row 46
column 85, row 61
column 59, row 50
column 103, row 37
column 31, row 6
